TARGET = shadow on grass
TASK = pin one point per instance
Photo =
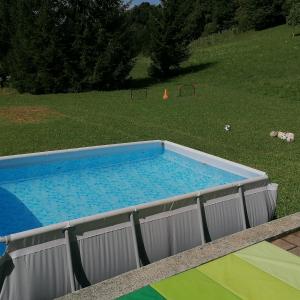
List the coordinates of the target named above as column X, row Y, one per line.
column 146, row 82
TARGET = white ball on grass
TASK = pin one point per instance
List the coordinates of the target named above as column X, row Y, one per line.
column 227, row 127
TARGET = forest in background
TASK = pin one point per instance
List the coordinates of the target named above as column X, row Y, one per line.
column 51, row 46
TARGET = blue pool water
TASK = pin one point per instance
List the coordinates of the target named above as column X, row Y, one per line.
column 45, row 193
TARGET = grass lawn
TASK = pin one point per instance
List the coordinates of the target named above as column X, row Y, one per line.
column 251, row 81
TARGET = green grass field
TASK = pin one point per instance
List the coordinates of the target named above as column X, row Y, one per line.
column 251, row 81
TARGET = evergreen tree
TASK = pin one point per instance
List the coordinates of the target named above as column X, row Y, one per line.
column 139, row 19
column 259, row 14
column 223, row 14
column 5, row 34
column 103, row 43
column 60, row 46
column 293, row 18
column 194, row 19
column 245, row 14
column 35, row 60
column 171, row 35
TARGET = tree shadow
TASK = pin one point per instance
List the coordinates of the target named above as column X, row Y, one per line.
column 14, row 216
column 140, row 83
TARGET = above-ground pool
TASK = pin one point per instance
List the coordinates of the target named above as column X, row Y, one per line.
column 42, row 189
column 77, row 217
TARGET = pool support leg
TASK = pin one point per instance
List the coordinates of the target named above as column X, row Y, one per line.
column 199, row 211
column 69, row 260
column 135, row 243
column 243, row 208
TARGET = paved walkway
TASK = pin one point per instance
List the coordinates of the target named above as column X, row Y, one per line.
column 290, row 243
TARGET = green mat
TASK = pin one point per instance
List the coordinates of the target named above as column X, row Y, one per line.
column 146, row 293
column 260, row 272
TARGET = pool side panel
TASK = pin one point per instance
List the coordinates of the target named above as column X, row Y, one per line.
column 48, row 156
column 25, row 159
column 215, row 161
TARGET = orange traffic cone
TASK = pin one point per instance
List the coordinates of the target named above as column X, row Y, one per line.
column 166, row 95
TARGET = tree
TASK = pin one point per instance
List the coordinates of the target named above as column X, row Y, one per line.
column 139, row 19
column 293, row 18
column 223, row 14
column 194, row 19
column 35, row 60
column 245, row 15
column 259, row 14
column 172, row 31
column 61, row 46
column 5, row 35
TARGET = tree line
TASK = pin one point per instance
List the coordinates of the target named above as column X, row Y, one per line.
column 51, row 46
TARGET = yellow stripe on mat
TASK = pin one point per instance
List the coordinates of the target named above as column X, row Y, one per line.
column 248, row 281
column 275, row 261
